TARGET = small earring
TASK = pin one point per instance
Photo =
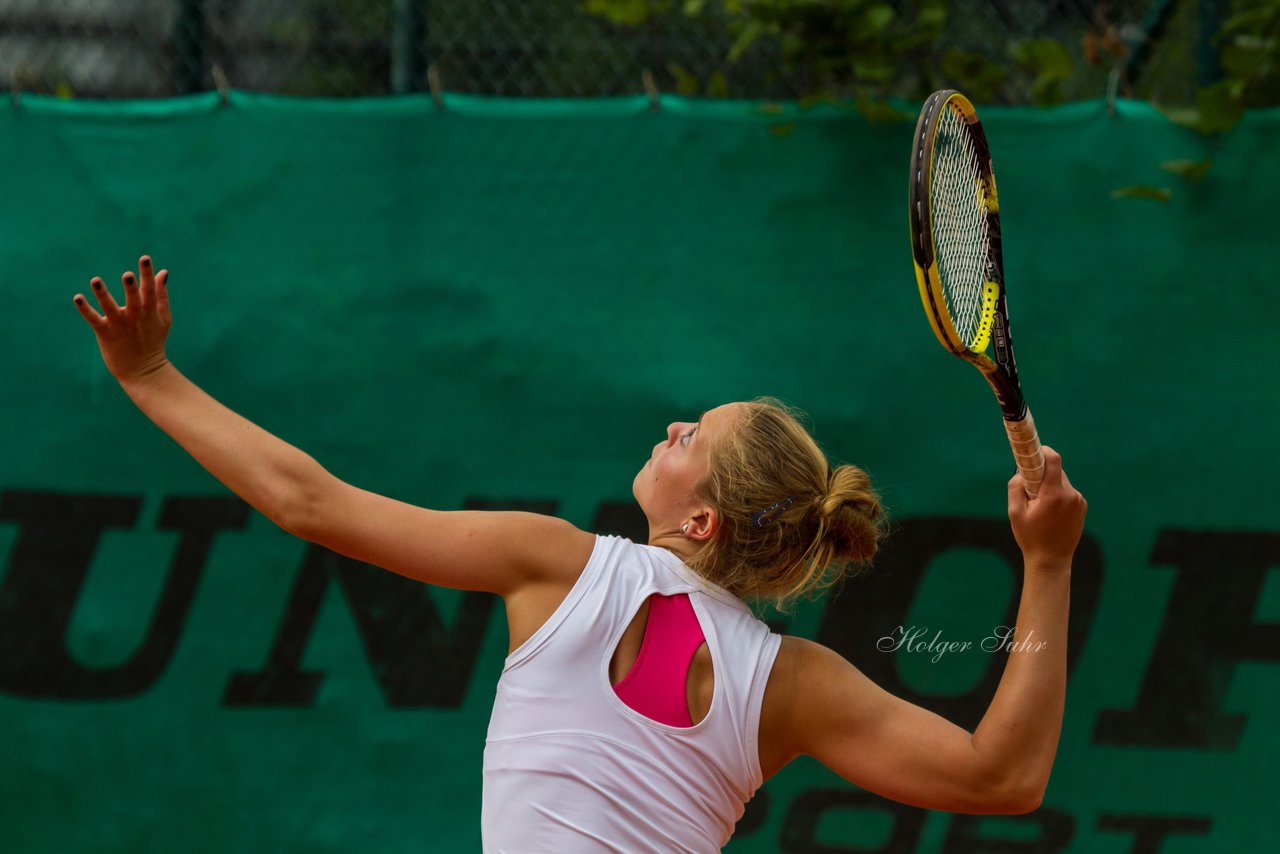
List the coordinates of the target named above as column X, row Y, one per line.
column 685, row 529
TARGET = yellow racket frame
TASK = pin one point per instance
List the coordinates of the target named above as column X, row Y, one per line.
column 1000, row 372
column 930, row 282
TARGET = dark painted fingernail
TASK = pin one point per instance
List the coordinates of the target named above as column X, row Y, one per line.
column 96, row 284
column 79, row 300
column 146, row 262
column 128, row 280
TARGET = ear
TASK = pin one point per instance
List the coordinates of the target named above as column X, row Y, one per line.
column 703, row 524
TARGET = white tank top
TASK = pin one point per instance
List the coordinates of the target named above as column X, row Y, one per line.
column 568, row 767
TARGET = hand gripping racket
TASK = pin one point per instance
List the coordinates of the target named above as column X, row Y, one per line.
column 955, row 242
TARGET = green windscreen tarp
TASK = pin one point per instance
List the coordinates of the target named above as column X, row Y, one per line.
column 502, row 304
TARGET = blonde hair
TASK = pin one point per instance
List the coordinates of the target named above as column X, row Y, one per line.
column 833, row 523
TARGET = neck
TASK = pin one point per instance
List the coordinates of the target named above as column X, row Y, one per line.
column 682, row 547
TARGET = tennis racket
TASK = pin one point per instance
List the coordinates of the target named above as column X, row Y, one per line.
column 955, row 242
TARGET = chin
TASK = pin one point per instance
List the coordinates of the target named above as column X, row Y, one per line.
column 635, row 487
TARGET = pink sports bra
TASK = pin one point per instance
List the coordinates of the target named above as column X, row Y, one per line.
column 656, row 684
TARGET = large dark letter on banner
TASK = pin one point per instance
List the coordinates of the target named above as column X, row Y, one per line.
column 1209, row 627
column 801, row 834
column 57, row 537
column 1054, row 831
column 871, row 607
column 1150, row 832
column 622, row 519
column 417, row 661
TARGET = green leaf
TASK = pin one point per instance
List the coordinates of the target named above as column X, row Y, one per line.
column 1046, row 58
column 1254, row 20
column 1248, row 57
column 879, row 111
column 932, row 16
column 912, row 27
column 879, row 17
column 1048, row 61
column 876, row 69
column 1155, row 194
column 717, row 85
column 752, row 31
column 686, row 81
column 978, row 77
column 1187, row 117
column 1220, row 106
column 621, row 11
column 693, row 8
column 793, row 45
column 1046, row 91
column 813, row 99
column 1192, row 170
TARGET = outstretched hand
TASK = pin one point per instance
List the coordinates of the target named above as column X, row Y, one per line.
column 131, row 337
column 1047, row 527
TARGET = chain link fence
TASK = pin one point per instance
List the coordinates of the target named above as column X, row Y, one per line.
column 1155, row 49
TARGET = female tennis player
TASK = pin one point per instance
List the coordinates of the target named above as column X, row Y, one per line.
column 642, row 703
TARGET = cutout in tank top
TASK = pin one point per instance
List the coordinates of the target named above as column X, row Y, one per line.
column 656, row 685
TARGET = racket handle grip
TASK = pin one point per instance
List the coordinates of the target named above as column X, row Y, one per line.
column 1026, row 452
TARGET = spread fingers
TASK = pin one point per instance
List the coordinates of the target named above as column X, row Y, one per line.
column 148, row 289
column 96, row 320
column 109, row 308
column 132, row 299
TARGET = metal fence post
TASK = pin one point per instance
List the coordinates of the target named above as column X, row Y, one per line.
column 408, row 35
column 1207, row 54
column 189, row 47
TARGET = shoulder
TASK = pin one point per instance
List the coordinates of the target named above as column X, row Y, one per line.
column 823, row 677
column 556, row 553
column 798, row 662
column 808, row 684
column 778, row 745
column 552, row 550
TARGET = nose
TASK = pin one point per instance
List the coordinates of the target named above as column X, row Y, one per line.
column 673, row 430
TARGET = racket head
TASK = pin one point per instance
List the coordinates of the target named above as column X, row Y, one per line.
column 956, row 242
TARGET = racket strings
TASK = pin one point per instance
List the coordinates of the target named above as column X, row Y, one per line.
column 959, row 209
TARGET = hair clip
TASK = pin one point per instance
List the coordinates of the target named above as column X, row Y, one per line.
column 763, row 516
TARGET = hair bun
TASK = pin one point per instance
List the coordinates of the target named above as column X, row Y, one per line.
column 853, row 514
column 815, row 525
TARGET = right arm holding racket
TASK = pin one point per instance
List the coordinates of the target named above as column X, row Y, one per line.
column 514, row 554
column 870, row 737
column 828, row 709
column 903, row 751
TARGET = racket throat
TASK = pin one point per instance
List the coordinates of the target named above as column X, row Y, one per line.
column 1001, row 345
column 1008, row 393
